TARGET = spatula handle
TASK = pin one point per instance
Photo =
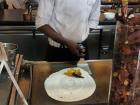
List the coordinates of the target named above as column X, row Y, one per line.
column 82, row 51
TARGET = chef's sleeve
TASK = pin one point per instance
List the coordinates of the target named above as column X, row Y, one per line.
column 44, row 12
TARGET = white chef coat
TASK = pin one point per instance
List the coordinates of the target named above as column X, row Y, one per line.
column 71, row 18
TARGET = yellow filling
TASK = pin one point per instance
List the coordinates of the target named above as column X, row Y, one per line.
column 72, row 71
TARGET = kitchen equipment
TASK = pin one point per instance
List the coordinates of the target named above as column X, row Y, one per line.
column 3, row 60
column 66, row 88
column 27, row 17
column 102, row 74
column 82, row 63
column 109, row 15
column 11, row 49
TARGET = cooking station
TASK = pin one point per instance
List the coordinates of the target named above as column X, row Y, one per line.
column 32, row 74
column 31, row 70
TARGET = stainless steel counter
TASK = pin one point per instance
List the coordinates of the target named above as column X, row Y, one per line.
column 101, row 69
column 5, row 87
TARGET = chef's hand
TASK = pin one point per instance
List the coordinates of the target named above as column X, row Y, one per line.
column 134, row 37
column 74, row 47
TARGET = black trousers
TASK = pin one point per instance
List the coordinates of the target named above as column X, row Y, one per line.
column 54, row 54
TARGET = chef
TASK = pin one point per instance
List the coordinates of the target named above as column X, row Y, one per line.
column 67, row 23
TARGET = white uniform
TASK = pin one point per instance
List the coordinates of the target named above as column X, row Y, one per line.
column 71, row 18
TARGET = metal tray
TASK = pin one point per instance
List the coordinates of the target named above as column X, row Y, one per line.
column 32, row 83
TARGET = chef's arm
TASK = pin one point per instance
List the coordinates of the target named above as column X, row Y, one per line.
column 50, row 32
column 44, row 14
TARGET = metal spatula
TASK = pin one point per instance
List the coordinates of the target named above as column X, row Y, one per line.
column 82, row 63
